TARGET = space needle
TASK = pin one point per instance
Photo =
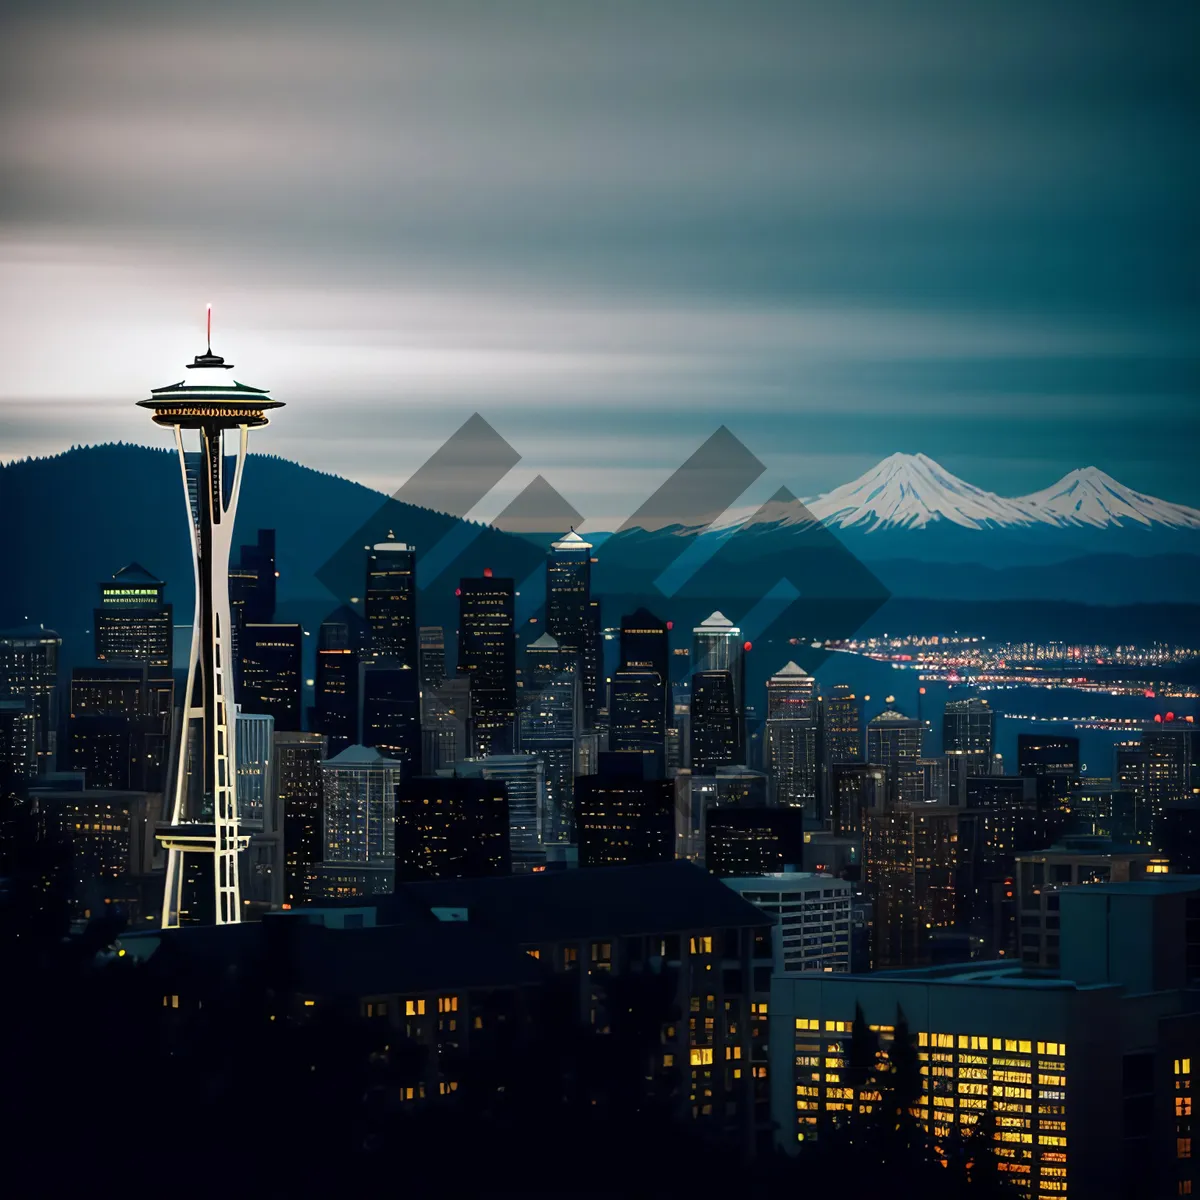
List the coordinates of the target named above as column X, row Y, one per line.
column 201, row 816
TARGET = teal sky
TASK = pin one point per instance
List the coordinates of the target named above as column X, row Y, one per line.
column 841, row 229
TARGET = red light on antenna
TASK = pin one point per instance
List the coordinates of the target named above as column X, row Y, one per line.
column 487, row 572
column 1158, row 718
column 1170, row 716
column 458, row 591
column 922, row 691
column 670, row 626
column 747, row 646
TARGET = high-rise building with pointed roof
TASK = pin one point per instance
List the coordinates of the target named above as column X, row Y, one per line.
column 133, row 623
column 717, row 646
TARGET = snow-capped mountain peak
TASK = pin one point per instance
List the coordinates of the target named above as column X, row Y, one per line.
column 1090, row 496
column 910, row 491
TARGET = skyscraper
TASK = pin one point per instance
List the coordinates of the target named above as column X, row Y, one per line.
column 842, row 727
column 894, row 742
column 968, row 734
column 546, row 660
column 451, row 827
column 202, row 818
column 636, row 716
column 431, row 648
column 335, row 713
column 390, row 601
column 487, row 656
column 133, row 624
column 572, row 616
column 549, row 728
column 360, row 787
column 445, row 725
column 114, row 738
column 713, row 720
column 645, row 646
column 391, row 711
column 1053, row 761
column 272, row 660
column 29, row 672
column 717, row 646
column 252, row 588
column 524, row 779
column 299, row 792
column 623, row 817
column 791, row 737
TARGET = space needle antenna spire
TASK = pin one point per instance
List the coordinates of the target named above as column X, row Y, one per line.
column 201, row 828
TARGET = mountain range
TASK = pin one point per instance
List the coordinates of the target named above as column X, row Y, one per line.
column 929, row 537
column 912, row 491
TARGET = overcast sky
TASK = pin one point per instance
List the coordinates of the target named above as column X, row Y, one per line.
column 842, row 230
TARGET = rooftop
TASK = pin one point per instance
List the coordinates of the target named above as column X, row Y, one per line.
column 135, row 573
column 361, row 756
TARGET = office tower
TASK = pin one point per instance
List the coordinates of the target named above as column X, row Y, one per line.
column 1179, row 837
column 714, row 721
column 549, row 723
column 546, row 660
column 360, row 787
column 742, row 841
column 790, row 750
column 894, row 742
column 114, row 738
column 1094, row 1065
column 253, row 581
column 262, row 867
column 621, row 816
column 855, row 788
column 941, row 780
column 255, row 738
column 445, row 725
column 635, row 717
column 487, row 656
column 572, row 616
column 252, row 587
column 1053, row 761
column 431, row 650
column 203, row 805
column 645, row 646
column 29, row 672
column 298, row 790
column 1042, row 874
column 841, row 725
column 391, row 711
column 1131, row 773
column 524, row 779
column 272, row 669
column 911, row 859
column 968, row 734
column 133, row 624
column 717, row 646
column 1098, row 808
column 390, row 601
column 1172, row 758
column 335, row 713
column 812, row 914
column 451, row 827
column 106, row 832
column 18, row 744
